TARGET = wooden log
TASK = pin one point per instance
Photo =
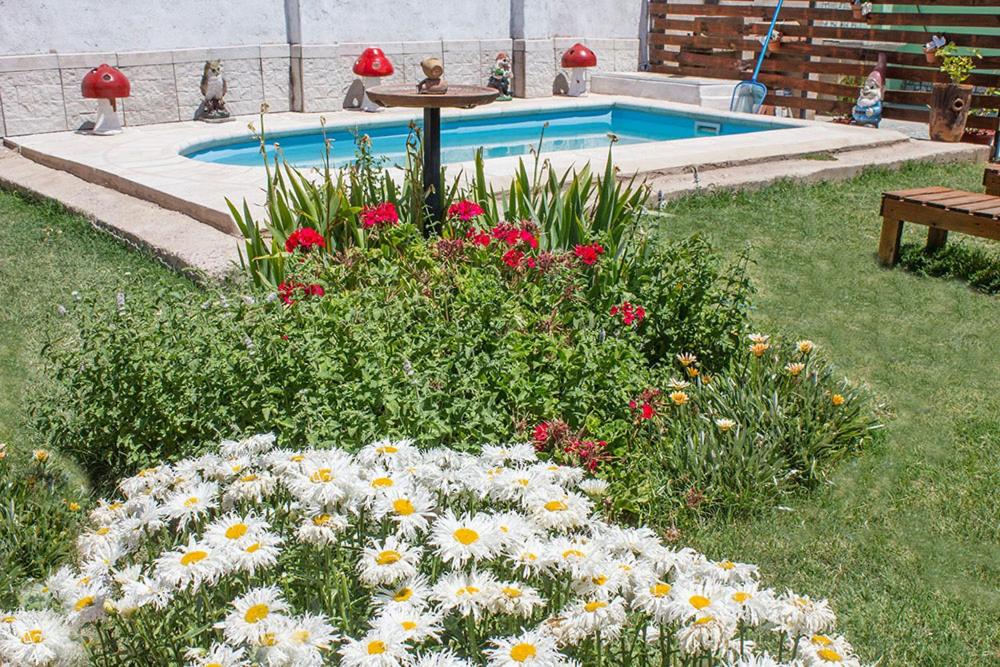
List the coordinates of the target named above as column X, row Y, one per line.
column 950, row 104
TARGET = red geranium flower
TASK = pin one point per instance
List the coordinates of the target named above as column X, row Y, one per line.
column 513, row 257
column 465, row 210
column 306, row 239
column 630, row 313
column 588, row 254
column 479, row 237
column 383, row 215
column 291, row 291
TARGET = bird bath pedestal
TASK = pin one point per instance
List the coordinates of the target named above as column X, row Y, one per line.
column 462, row 97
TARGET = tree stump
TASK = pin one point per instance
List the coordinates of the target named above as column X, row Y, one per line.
column 950, row 104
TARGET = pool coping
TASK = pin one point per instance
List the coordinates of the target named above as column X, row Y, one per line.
column 147, row 161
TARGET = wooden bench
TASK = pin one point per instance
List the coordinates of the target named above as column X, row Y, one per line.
column 991, row 179
column 940, row 209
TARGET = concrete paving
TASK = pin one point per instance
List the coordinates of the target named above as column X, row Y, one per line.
column 181, row 242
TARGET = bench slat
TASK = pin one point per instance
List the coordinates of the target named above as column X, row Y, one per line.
column 901, row 194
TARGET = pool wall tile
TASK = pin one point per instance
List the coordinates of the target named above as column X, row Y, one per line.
column 33, row 101
column 154, row 94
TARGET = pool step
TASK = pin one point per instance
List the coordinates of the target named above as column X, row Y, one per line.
column 710, row 93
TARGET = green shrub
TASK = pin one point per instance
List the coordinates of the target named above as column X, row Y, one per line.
column 973, row 264
column 41, row 510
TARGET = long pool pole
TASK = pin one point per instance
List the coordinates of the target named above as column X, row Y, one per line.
column 432, row 169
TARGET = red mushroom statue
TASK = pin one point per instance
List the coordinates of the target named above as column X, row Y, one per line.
column 106, row 84
column 577, row 59
column 372, row 65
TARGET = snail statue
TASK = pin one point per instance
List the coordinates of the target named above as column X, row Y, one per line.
column 868, row 110
column 433, row 83
column 501, row 76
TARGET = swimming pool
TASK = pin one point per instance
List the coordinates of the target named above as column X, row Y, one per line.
column 500, row 135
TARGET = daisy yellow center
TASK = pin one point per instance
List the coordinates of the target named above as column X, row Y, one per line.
column 556, row 506
column 699, row 601
column 8, row 619
column 595, row 605
column 321, row 519
column 114, row 507
column 376, row 647
column 236, row 468
column 569, row 553
column 403, row 507
column 382, row 482
column 84, row 581
column 530, row 557
column 388, row 557
column 600, row 581
column 322, row 475
column 388, row 449
column 660, row 590
column 511, row 592
column 468, row 590
column 214, row 664
column 253, row 548
column 523, row 652
column 741, row 596
column 192, row 557
column 466, row 536
column 256, row 613
column 821, row 640
column 523, row 481
column 727, row 565
column 704, row 620
column 409, row 626
column 84, row 602
column 268, row 639
column 403, row 594
column 301, row 636
column 35, row 636
column 297, row 458
column 248, row 478
column 829, row 655
column 191, row 502
column 103, row 530
column 236, row 531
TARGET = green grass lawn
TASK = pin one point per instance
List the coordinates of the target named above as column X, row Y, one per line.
column 905, row 540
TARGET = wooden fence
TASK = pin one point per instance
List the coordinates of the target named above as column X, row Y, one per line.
column 828, row 49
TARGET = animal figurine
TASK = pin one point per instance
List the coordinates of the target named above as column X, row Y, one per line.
column 868, row 110
column 213, row 89
column 433, row 83
column 501, row 77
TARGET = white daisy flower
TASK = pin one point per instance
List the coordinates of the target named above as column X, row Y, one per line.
column 233, row 531
column 191, row 503
column 800, row 615
column 530, row 648
column 416, row 625
column 515, row 599
column 594, row 487
column 389, row 454
column 514, row 529
column 443, row 658
column 322, row 528
column 258, row 612
column 584, row 618
column 469, row 593
column 220, row 655
column 827, row 651
column 261, row 553
column 412, row 592
column 728, row 572
column 39, row 639
column 706, row 634
column 653, row 598
column 511, row 454
column 255, row 445
column 381, row 647
column 325, row 478
column 383, row 564
column 559, row 475
column 531, row 558
column 410, row 507
column 189, row 565
column 471, row 537
column 251, row 485
column 689, row 599
column 308, row 638
column 599, row 578
column 750, row 603
column 139, row 590
column 568, row 553
column 555, row 508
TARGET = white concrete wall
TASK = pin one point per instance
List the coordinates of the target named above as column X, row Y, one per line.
column 533, row 19
column 74, row 26
column 334, row 21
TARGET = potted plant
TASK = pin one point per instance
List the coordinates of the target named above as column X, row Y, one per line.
column 931, row 50
column 950, row 101
column 978, row 135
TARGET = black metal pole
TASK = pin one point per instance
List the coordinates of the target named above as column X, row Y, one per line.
column 432, row 168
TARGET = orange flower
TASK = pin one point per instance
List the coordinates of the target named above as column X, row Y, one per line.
column 679, row 397
column 837, row 400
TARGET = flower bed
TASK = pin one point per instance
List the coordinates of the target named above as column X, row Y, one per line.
column 395, row 556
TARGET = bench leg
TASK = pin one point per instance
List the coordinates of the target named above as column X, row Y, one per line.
column 888, row 245
column 936, row 238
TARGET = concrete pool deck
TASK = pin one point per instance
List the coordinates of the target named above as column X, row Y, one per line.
column 147, row 161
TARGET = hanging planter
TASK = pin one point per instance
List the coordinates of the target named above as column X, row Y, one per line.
column 932, row 57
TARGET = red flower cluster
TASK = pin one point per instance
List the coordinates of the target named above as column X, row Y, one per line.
column 514, row 257
column 644, row 407
column 588, row 254
column 383, row 215
column 479, row 237
column 292, row 291
column 305, row 239
column 630, row 314
column 550, row 433
column 514, row 234
column 465, row 210
column 590, row 453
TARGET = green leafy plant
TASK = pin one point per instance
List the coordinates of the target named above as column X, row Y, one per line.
column 957, row 66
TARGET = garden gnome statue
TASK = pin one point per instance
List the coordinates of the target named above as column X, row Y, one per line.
column 501, row 76
column 868, row 110
column 213, row 89
column 433, row 83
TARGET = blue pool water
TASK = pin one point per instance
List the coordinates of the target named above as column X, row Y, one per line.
column 499, row 136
